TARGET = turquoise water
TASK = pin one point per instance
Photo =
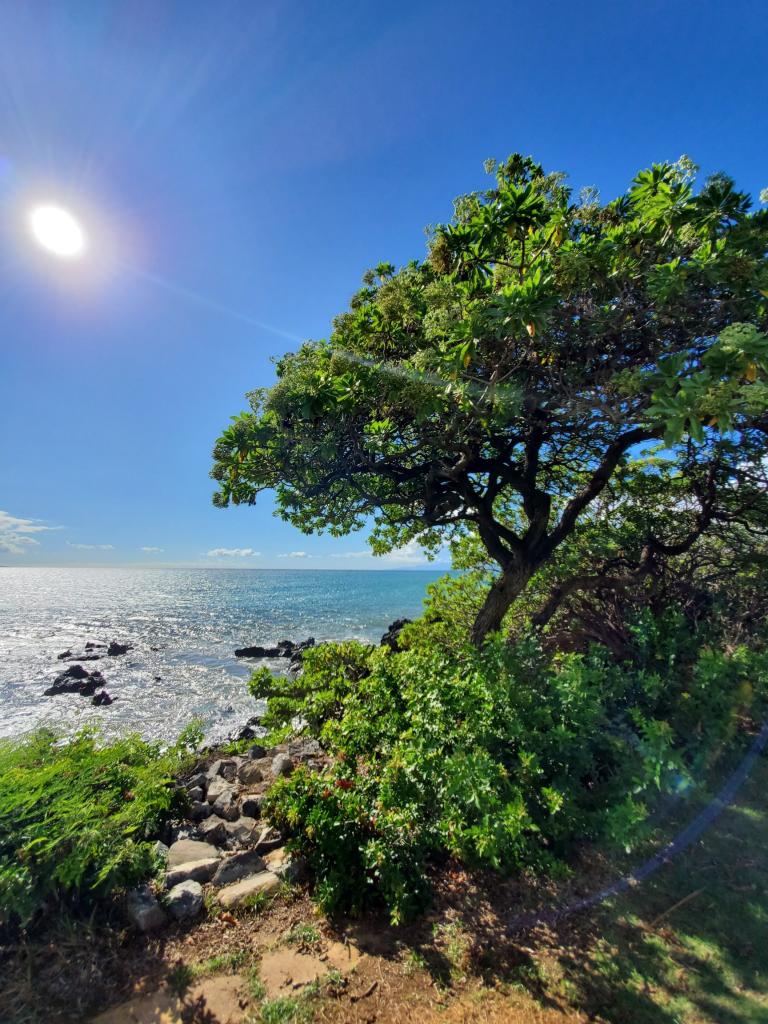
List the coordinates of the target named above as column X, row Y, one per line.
column 185, row 625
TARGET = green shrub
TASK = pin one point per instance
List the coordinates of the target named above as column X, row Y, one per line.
column 503, row 757
column 76, row 816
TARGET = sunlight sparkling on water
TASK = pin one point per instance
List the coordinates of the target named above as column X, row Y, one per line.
column 184, row 625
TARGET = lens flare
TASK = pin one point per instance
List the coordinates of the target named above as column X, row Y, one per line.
column 57, row 231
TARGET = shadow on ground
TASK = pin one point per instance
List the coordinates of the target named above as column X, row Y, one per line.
column 689, row 944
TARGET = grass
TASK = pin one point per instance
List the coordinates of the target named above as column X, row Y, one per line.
column 285, row 1010
column 223, row 962
column 256, row 902
column 303, row 935
column 690, row 945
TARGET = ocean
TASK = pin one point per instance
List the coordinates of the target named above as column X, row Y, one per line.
column 184, row 625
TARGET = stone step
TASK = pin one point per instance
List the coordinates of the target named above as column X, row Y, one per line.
column 233, row 895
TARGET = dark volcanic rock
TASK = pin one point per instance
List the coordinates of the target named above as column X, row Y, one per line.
column 284, row 649
column 74, row 672
column 390, row 638
column 252, row 730
column 257, row 652
column 115, row 648
column 76, row 679
column 87, row 656
column 103, row 699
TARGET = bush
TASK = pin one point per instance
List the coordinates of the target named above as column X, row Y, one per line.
column 504, row 757
column 76, row 817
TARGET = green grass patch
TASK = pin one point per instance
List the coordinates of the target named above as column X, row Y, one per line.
column 285, row 1010
column 689, row 945
column 303, row 935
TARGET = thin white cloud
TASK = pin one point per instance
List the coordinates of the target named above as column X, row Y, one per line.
column 151, row 550
column 15, row 533
column 295, row 554
column 232, row 553
column 91, row 547
column 409, row 554
column 351, row 554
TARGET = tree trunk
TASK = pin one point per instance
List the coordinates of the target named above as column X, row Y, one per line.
column 509, row 585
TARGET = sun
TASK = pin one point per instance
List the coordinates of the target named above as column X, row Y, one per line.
column 56, row 230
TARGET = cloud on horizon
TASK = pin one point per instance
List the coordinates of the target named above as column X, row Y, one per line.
column 151, row 550
column 409, row 554
column 91, row 547
column 295, row 554
column 232, row 553
column 15, row 533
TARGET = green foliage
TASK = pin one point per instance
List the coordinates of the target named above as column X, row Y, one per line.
column 332, row 669
column 76, row 816
column 502, row 385
column 503, row 757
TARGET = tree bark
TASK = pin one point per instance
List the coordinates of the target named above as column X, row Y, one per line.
column 509, row 585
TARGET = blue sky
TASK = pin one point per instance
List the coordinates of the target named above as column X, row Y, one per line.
column 237, row 166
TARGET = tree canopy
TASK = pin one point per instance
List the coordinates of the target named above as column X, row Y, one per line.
column 516, row 384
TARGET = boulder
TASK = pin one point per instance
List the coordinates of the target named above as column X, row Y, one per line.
column 257, row 652
column 251, row 804
column 282, row 765
column 226, row 805
column 185, row 850
column 76, row 679
column 234, row 895
column 252, row 730
column 102, row 699
column 185, row 900
column 75, row 672
column 217, row 788
column 297, row 654
column 195, row 793
column 115, row 648
column 144, row 912
column 390, row 638
column 249, row 773
column 200, row 779
column 240, row 831
column 213, row 831
column 195, row 871
column 268, row 839
column 257, row 751
column 283, row 649
column 285, row 865
column 225, row 768
column 305, row 750
column 199, row 810
column 238, row 866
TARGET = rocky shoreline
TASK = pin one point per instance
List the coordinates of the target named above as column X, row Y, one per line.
column 223, row 846
column 78, row 680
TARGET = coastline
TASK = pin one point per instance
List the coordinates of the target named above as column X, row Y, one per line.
column 183, row 628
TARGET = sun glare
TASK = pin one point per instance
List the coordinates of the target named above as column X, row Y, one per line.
column 56, row 230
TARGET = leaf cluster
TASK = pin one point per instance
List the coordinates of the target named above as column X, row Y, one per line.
column 505, row 757
column 77, row 816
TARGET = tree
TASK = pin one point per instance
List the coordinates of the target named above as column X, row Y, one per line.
column 503, row 383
